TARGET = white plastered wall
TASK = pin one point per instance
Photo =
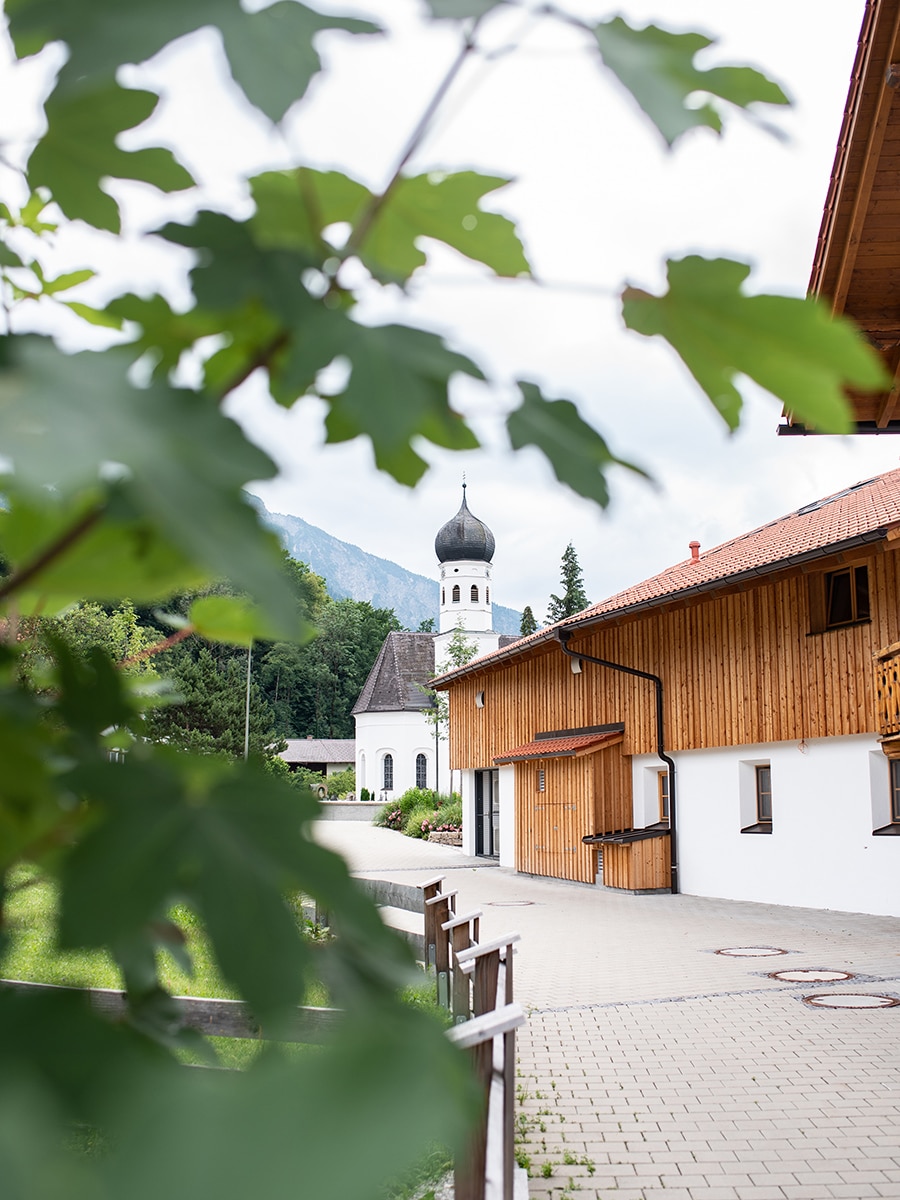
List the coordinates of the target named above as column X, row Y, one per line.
column 507, row 779
column 828, row 795
column 404, row 735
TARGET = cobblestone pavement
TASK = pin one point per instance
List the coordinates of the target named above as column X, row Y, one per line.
column 653, row 1068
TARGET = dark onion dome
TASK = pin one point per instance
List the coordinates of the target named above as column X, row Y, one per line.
column 464, row 537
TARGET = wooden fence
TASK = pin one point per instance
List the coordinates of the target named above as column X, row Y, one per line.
column 474, row 980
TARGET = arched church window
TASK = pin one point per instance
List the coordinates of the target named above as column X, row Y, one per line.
column 487, row 595
column 474, row 594
column 455, row 593
column 443, row 596
column 387, row 778
column 421, row 771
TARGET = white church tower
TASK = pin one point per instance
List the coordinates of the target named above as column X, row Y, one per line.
column 396, row 746
column 464, row 549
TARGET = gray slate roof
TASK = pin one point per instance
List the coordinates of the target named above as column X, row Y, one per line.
column 319, row 750
column 403, row 666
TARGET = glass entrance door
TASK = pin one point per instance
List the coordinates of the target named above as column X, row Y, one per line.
column 487, row 814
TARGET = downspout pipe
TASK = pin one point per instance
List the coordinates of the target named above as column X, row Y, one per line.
column 563, row 635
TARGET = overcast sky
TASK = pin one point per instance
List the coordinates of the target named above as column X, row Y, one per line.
column 599, row 202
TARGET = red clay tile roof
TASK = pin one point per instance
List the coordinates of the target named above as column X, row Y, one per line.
column 561, row 747
column 857, row 514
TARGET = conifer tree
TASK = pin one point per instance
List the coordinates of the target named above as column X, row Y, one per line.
column 573, row 599
column 528, row 624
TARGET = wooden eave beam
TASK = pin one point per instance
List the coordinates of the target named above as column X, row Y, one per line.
column 870, row 169
column 888, row 407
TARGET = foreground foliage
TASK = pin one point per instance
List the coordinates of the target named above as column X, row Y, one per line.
column 120, row 482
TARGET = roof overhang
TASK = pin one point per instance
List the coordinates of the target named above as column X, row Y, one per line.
column 857, row 260
column 737, row 579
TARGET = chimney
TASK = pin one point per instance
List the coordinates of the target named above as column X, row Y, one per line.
column 695, row 551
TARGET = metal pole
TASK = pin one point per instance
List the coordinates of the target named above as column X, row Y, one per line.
column 247, row 709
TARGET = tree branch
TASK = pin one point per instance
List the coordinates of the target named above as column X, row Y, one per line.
column 367, row 218
column 157, row 648
column 55, row 550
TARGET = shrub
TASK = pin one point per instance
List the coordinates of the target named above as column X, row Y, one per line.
column 390, row 817
column 448, row 818
column 365, row 794
column 416, row 798
column 420, row 822
column 341, row 783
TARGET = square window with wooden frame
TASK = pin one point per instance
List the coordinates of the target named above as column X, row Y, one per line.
column 839, row 598
column 663, row 786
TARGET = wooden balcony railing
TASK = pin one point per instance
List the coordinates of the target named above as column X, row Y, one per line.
column 887, row 691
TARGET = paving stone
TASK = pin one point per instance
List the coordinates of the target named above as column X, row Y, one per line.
column 673, row 1064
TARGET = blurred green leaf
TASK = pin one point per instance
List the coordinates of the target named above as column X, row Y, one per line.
column 228, row 839
column 70, row 279
column 389, row 361
column 79, row 150
column 29, row 807
column 447, row 208
column 8, row 257
column 163, row 332
column 231, row 619
column 578, row 454
column 94, row 316
column 271, row 52
column 395, row 1080
column 457, row 9
column 124, row 554
column 294, row 207
column 657, row 67
column 793, row 348
column 67, row 421
column 233, row 269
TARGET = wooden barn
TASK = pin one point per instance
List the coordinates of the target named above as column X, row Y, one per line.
column 729, row 727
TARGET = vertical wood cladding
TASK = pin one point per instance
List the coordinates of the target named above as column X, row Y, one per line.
column 737, row 669
column 638, row 866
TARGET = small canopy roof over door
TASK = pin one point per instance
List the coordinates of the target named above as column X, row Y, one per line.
column 574, row 746
column 857, row 262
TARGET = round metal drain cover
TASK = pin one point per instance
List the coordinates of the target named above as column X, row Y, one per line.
column 751, row 951
column 805, row 975
column 508, row 903
column 850, row 1000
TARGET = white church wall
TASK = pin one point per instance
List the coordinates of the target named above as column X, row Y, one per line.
column 403, row 735
column 473, row 615
column 828, row 795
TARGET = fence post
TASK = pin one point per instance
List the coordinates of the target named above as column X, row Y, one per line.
column 440, row 906
column 463, row 933
column 429, row 889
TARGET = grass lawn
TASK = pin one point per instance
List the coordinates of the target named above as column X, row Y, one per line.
column 31, row 954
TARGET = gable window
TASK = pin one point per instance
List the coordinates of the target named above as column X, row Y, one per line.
column 387, row 773
column 541, row 779
column 421, row 771
column 839, row 598
column 454, row 595
column 846, row 596
column 474, row 594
